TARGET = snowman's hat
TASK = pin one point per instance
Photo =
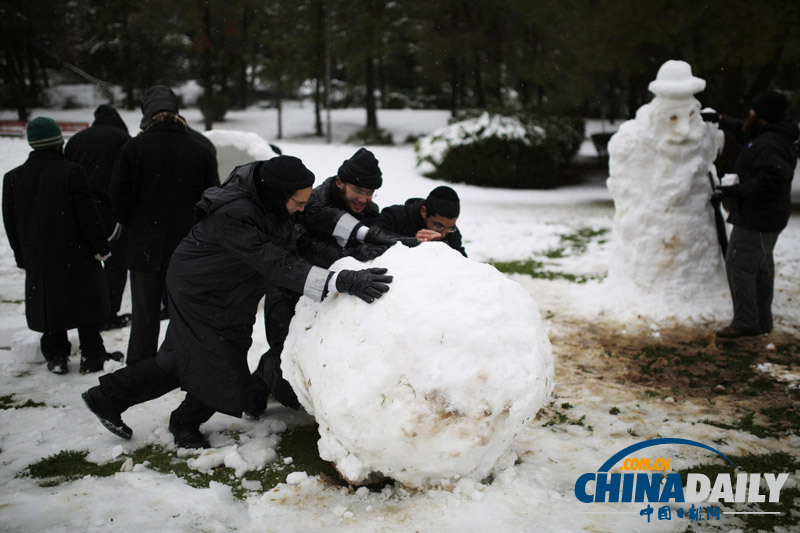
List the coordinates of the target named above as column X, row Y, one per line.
column 675, row 80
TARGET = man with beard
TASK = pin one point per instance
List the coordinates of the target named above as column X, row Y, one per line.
column 158, row 178
column 760, row 206
column 96, row 149
column 243, row 244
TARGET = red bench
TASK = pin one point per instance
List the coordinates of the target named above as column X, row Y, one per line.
column 16, row 128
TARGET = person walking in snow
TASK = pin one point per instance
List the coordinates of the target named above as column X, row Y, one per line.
column 760, row 206
column 158, row 178
column 96, row 149
column 430, row 219
column 56, row 234
column 333, row 225
column 244, row 244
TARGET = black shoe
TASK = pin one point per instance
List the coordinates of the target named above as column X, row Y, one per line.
column 95, row 364
column 733, row 333
column 189, row 438
column 116, row 322
column 260, row 392
column 58, row 365
column 98, row 404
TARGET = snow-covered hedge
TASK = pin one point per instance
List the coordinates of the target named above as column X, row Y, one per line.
column 501, row 151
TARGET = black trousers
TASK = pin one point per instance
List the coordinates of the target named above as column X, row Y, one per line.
column 146, row 381
column 147, row 290
column 55, row 344
column 278, row 312
column 751, row 276
column 116, row 273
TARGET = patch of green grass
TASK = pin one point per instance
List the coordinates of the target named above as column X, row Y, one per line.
column 535, row 269
column 776, row 462
column 299, row 443
column 579, row 241
column 614, row 411
column 7, row 402
column 782, row 420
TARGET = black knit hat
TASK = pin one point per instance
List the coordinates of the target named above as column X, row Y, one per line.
column 361, row 170
column 770, row 106
column 443, row 201
column 106, row 114
column 157, row 98
column 43, row 133
column 285, row 173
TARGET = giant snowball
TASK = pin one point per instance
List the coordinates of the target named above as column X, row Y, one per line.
column 431, row 382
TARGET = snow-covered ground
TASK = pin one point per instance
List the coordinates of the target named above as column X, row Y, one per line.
column 536, row 494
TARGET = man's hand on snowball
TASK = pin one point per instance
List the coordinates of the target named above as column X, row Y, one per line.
column 425, row 235
column 367, row 284
column 380, row 237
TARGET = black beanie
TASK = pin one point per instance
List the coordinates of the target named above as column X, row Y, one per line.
column 443, row 201
column 361, row 170
column 770, row 106
column 157, row 98
column 285, row 173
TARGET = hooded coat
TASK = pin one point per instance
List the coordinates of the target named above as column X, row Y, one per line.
column 217, row 276
column 762, row 200
column 406, row 220
column 96, row 149
column 54, row 230
column 158, row 178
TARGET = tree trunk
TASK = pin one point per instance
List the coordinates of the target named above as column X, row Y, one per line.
column 369, row 81
column 319, row 47
column 206, row 74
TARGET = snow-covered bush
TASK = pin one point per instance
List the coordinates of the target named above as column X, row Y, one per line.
column 501, row 151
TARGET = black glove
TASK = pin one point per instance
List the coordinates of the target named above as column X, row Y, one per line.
column 381, row 237
column 365, row 252
column 710, row 116
column 367, row 284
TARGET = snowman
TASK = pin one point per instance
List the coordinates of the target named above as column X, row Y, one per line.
column 665, row 256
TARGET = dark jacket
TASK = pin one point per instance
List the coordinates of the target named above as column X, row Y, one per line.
column 54, row 230
column 324, row 215
column 406, row 220
column 217, row 277
column 762, row 199
column 96, row 149
column 159, row 176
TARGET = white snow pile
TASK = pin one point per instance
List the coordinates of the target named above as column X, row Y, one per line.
column 434, row 147
column 431, row 382
column 236, row 148
column 665, row 254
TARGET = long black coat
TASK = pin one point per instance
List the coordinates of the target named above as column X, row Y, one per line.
column 158, row 178
column 216, row 278
column 96, row 149
column 762, row 200
column 406, row 220
column 326, row 209
column 54, row 229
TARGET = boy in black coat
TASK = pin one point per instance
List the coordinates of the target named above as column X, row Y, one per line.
column 96, row 149
column 760, row 206
column 431, row 219
column 55, row 232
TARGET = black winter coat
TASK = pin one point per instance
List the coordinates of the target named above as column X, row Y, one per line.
column 54, row 230
column 406, row 220
column 319, row 219
column 762, row 199
column 159, row 177
column 217, row 277
column 96, row 149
